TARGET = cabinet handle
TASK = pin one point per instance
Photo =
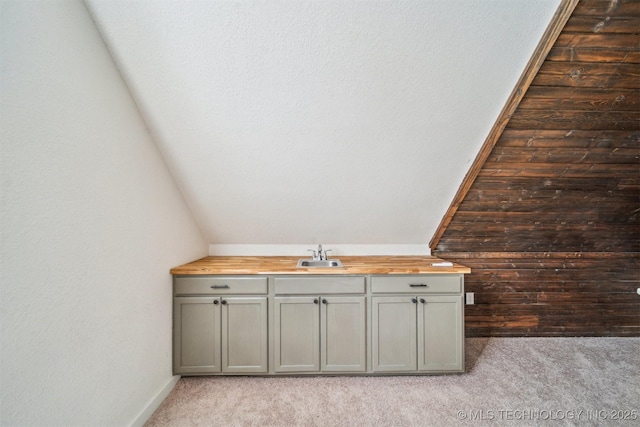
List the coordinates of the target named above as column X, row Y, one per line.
column 418, row 285
column 219, row 286
column 224, row 302
column 422, row 300
column 215, row 302
column 413, row 300
column 324, row 301
column 315, row 301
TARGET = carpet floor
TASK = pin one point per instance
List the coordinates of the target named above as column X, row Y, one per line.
column 508, row 381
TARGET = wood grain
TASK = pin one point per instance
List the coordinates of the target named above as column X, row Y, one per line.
column 287, row 265
column 604, row 8
column 559, row 74
column 550, row 224
column 590, row 54
column 552, row 293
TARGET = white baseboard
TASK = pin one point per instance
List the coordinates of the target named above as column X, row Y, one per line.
column 151, row 407
column 301, row 250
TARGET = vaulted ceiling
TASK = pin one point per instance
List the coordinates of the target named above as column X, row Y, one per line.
column 293, row 122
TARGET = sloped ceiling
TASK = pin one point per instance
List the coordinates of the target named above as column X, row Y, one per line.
column 297, row 122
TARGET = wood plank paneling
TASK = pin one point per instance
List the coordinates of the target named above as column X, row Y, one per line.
column 581, row 99
column 574, row 119
column 580, row 74
column 565, row 155
column 603, row 41
column 537, row 170
column 573, row 138
column 582, row 38
column 591, row 55
column 552, row 294
column 550, row 224
column 608, row 8
column 600, row 24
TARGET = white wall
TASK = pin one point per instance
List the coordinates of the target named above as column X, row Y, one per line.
column 91, row 223
column 346, row 123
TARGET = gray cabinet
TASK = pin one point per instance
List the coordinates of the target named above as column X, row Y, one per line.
column 343, row 334
column 219, row 334
column 296, row 334
column 394, row 336
column 440, row 333
column 319, row 332
column 421, row 327
column 315, row 324
column 196, row 335
column 244, row 334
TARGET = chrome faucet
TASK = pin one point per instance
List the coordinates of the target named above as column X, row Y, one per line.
column 320, row 254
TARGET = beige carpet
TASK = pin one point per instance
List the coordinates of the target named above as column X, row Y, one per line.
column 508, row 381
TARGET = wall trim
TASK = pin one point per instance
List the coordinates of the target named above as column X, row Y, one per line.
column 153, row 405
column 302, row 250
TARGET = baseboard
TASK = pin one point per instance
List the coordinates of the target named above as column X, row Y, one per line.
column 151, row 407
column 301, row 250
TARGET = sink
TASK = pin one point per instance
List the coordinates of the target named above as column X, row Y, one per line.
column 319, row 263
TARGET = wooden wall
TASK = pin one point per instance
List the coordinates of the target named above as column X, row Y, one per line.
column 550, row 223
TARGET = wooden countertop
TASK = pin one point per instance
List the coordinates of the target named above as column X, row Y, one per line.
column 287, row 265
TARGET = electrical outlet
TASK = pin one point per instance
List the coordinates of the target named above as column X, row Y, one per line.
column 470, row 298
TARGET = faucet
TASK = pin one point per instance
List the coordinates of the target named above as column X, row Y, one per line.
column 320, row 254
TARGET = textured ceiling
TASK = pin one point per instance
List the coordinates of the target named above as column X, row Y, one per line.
column 295, row 122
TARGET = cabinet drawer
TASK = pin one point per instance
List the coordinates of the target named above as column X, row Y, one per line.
column 222, row 285
column 416, row 284
column 319, row 285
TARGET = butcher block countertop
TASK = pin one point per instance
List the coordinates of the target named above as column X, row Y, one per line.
column 268, row 265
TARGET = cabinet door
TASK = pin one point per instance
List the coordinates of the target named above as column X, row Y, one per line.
column 196, row 339
column 297, row 334
column 244, row 334
column 343, row 334
column 440, row 333
column 394, row 333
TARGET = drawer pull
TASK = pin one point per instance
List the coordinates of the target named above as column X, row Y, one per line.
column 418, row 285
column 219, row 286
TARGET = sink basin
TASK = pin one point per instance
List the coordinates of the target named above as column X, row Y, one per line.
column 318, row 263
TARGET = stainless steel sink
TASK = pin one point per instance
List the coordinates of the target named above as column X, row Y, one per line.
column 319, row 263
